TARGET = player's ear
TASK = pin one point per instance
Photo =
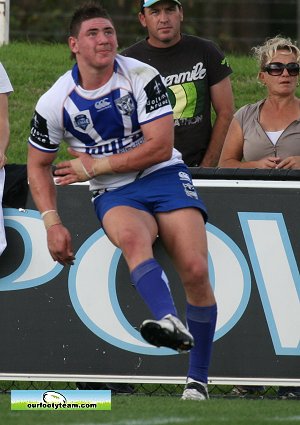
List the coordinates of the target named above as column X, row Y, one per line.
column 73, row 44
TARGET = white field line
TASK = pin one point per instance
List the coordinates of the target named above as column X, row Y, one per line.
column 154, row 421
column 187, row 421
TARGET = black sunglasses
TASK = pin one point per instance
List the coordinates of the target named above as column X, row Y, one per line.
column 277, row 68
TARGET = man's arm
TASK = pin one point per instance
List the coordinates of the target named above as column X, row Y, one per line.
column 157, row 147
column 222, row 102
column 4, row 127
column 42, row 188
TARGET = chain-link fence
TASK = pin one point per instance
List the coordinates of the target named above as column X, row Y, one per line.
column 175, row 390
column 237, row 25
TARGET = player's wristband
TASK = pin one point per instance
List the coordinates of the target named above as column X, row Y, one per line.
column 80, row 170
column 50, row 218
column 99, row 166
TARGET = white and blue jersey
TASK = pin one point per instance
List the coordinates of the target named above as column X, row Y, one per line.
column 105, row 121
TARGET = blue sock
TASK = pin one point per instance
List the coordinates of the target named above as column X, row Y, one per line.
column 153, row 286
column 201, row 323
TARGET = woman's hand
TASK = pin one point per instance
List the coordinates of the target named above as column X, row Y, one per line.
column 290, row 163
column 269, row 162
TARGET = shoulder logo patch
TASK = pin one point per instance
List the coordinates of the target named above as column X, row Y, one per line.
column 156, row 94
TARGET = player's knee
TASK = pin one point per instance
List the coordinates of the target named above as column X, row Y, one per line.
column 198, row 289
column 199, row 268
column 196, row 273
column 130, row 242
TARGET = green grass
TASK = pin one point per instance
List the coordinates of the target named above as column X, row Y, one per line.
column 155, row 410
column 33, row 68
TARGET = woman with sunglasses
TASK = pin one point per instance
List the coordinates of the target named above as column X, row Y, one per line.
column 266, row 134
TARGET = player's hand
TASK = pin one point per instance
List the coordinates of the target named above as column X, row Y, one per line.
column 60, row 245
column 290, row 163
column 75, row 170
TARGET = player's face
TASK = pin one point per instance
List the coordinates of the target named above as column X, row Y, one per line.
column 163, row 21
column 96, row 43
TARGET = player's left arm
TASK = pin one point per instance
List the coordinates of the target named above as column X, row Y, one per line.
column 157, row 147
column 223, row 105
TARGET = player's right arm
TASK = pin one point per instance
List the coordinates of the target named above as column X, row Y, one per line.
column 42, row 188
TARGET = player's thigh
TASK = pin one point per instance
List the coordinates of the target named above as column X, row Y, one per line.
column 184, row 235
column 123, row 223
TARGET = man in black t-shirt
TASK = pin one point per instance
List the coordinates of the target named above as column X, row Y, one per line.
column 196, row 74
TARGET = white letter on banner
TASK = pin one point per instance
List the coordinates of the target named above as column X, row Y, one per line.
column 277, row 277
column 230, row 277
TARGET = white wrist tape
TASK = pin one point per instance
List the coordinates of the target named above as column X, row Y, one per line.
column 80, row 170
column 99, row 166
column 50, row 218
column 102, row 166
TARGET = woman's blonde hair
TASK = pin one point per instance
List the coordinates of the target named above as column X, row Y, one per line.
column 265, row 53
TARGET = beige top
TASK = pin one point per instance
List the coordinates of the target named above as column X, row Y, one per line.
column 257, row 144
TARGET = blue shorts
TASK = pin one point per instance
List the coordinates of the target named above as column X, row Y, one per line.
column 166, row 189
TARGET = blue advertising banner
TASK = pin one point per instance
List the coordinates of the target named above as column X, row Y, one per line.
column 82, row 321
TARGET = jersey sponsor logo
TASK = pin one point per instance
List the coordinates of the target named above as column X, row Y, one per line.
column 117, row 145
column 125, row 105
column 82, row 121
column 102, row 104
column 156, row 95
column 198, row 72
column 39, row 131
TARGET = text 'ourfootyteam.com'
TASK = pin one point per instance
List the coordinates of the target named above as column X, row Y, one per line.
column 61, row 405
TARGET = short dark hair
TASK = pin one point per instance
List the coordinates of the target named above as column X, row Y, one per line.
column 86, row 11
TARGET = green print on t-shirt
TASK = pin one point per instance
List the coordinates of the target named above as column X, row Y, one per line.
column 187, row 99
